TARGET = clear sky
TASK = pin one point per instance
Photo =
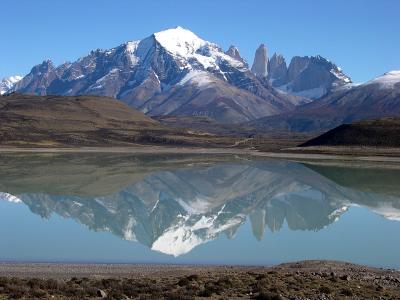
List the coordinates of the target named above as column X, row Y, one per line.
column 361, row 36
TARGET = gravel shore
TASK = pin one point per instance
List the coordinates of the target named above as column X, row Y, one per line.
column 298, row 281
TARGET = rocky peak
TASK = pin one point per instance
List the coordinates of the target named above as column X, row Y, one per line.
column 260, row 64
column 308, row 76
column 45, row 67
column 234, row 53
column 297, row 65
column 277, row 70
column 38, row 79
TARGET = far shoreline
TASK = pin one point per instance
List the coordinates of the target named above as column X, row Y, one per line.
column 119, row 269
column 344, row 154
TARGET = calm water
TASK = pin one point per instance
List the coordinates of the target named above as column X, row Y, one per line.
column 195, row 209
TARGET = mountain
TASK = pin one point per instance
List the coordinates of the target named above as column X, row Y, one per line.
column 375, row 99
column 375, row 133
column 7, row 84
column 172, row 72
column 173, row 208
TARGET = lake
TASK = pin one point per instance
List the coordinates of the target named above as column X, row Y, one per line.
column 195, row 209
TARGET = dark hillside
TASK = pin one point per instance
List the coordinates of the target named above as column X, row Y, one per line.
column 375, row 133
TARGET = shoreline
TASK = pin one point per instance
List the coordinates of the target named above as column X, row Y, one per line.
column 67, row 270
column 301, row 280
column 297, row 154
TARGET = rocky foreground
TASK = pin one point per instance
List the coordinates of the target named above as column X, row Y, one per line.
column 302, row 280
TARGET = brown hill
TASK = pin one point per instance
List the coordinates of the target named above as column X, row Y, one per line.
column 81, row 120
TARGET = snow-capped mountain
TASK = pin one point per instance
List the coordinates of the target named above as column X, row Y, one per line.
column 174, row 210
column 387, row 81
column 172, row 72
column 7, row 84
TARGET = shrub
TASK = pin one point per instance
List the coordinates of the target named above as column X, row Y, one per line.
column 268, row 296
column 325, row 290
column 346, row 292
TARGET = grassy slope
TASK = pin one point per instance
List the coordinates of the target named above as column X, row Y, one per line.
column 82, row 120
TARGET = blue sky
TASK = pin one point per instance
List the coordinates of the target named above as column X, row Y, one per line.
column 361, row 36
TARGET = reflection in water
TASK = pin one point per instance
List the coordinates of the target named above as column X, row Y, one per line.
column 173, row 204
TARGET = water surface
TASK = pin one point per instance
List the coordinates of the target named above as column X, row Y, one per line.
column 195, row 209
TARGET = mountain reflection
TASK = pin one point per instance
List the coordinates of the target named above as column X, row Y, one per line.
column 175, row 203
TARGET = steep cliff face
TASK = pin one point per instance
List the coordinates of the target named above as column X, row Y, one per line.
column 311, row 77
column 314, row 77
column 278, row 71
column 260, row 64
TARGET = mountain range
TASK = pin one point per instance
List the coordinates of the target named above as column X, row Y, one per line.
column 176, row 73
column 173, row 205
column 374, row 99
column 170, row 72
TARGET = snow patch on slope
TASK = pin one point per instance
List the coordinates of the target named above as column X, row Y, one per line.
column 340, row 76
column 315, row 93
column 388, row 212
column 7, row 84
column 387, row 80
column 9, row 198
column 129, row 234
column 309, row 94
column 131, row 48
column 200, row 78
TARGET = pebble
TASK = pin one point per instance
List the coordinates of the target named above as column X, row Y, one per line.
column 101, row 293
column 345, row 277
